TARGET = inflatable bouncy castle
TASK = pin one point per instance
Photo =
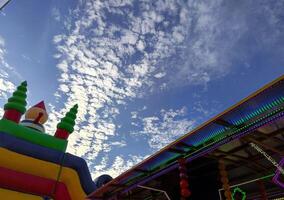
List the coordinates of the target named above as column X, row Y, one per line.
column 33, row 164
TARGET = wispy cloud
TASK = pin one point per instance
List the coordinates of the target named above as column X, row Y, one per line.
column 106, row 63
column 6, row 86
column 55, row 13
column 219, row 34
column 165, row 127
column 117, row 165
column 116, row 51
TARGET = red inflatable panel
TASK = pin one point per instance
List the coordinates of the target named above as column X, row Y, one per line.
column 31, row 184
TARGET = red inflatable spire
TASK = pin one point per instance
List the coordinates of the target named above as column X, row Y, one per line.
column 40, row 105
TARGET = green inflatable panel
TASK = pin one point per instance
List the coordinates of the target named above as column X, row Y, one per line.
column 32, row 136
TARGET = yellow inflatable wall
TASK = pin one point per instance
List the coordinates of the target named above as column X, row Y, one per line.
column 25, row 164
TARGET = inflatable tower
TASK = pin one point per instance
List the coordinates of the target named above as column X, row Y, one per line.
column 33, row 164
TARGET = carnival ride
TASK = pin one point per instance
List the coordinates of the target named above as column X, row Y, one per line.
column 218, row 157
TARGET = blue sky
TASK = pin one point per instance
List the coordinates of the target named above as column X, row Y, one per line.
column 143, row 72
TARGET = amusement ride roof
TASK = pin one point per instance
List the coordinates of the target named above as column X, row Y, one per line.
column 260, row 108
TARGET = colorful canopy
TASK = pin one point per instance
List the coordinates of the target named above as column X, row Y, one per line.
column 265, row 105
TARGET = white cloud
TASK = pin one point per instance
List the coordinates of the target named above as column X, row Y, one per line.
column 129, row 38
column 110, row 55
column 93, row 73
column 160, row 75
column 134, row 114
column 55, row 13
column 119, row 143
column 6, row 86
column 165, row 127
column 220, row 34
column 119, row 164
column 25, row 57
column 140, row 45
